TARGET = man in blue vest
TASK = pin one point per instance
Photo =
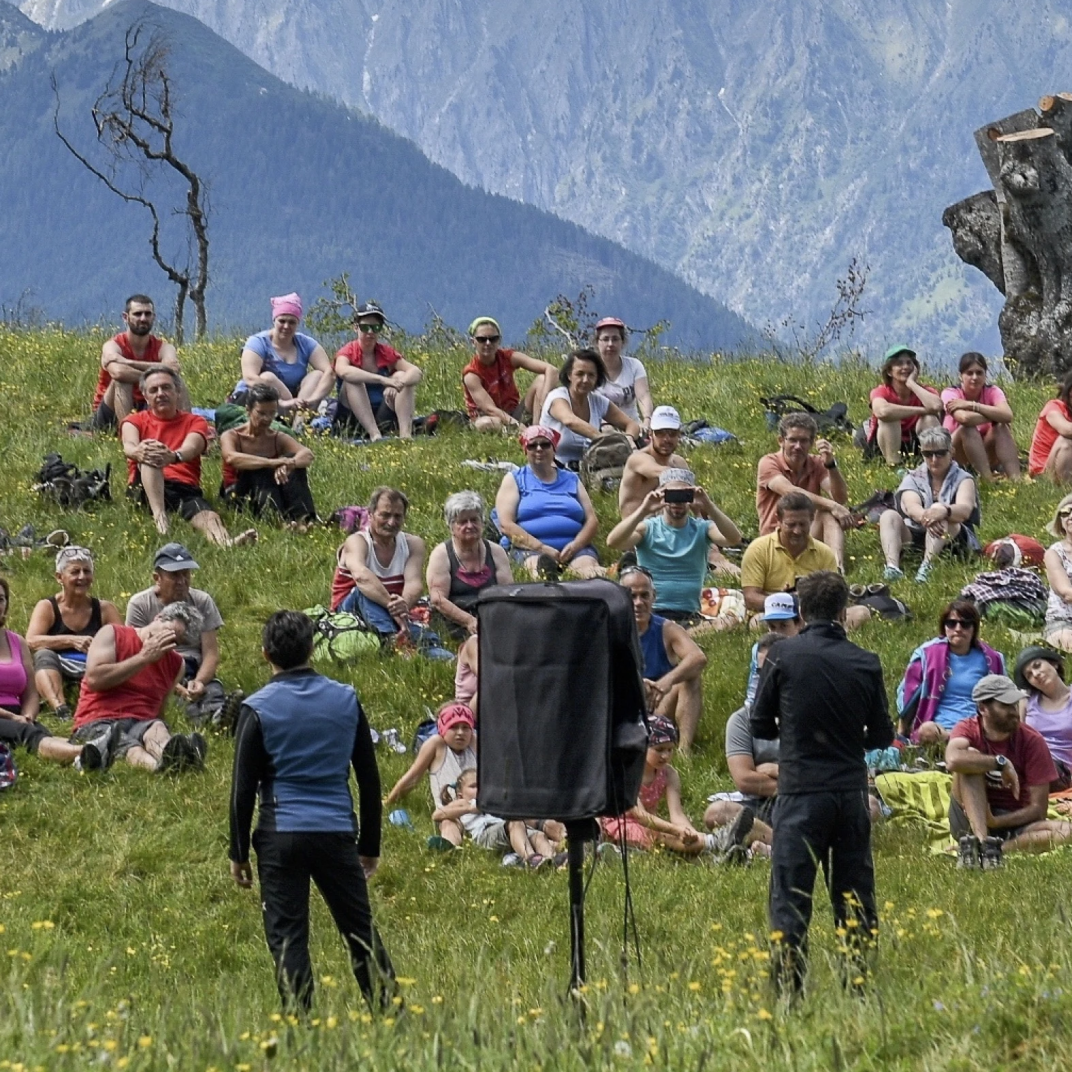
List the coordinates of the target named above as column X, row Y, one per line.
column 296, row 741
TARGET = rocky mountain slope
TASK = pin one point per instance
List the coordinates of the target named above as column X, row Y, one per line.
column 301, row 189
column 753, row 149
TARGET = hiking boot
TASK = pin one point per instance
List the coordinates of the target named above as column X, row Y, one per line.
column 173, row 756
column 991, row 854
column 733, row 833
column 196, row 750
column 892, row 573
column 968, row 853
column 924, row 572
column 226, row 718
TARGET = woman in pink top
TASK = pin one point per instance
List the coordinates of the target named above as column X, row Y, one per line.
column 1051, row 443
column 979, row 418
column 901, row 407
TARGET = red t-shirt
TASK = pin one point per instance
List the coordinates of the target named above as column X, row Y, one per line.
column 497, row 379
column 775, row 465
column 1026, row 751
column 386, row 357
column 1044, row 436
column 139, row 697
column 908, row 424
column 122, row 340
column 172, row 434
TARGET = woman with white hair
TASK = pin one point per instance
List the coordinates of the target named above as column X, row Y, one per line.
column 936, row 507
column 461, row 567
column 62, row 627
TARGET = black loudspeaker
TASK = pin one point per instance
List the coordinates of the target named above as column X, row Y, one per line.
column 562, row 733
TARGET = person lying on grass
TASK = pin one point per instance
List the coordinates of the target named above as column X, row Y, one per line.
column 530, row 845
column 642, row 828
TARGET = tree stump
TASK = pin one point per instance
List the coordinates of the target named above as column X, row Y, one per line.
column 1019, row 235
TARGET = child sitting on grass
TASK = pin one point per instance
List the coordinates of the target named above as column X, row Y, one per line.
column 642, row 828
column 531, row 847
column 449, row 751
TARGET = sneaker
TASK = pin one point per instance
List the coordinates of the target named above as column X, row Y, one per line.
column 438, row 654
column 734, row 856
column 511, row 859
column 63, row 712
column 227, row 716
column 90, row 757
column 196, row 750
column 560, row 859
column 923, row 573
column 607, row 850
column 968, row 852
column 991, row 854
column 734, row 833
column 892, row 573
column 437, row 843
column 536, row 861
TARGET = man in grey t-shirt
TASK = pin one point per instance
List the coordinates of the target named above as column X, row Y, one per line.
column 201, row 694
column 753, row 765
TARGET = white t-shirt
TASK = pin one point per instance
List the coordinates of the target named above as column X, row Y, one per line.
column 622, row 391
column 571, row 445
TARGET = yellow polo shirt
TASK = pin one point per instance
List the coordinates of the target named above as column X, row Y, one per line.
column 768, row 566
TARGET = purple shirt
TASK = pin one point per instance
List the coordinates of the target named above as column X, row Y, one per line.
column 1055, row 727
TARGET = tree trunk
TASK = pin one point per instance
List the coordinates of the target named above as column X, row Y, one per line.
column 1020, row 234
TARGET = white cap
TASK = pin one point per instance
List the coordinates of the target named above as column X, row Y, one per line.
column 665, row 417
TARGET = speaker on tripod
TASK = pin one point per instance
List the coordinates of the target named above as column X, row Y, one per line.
column 562, row 727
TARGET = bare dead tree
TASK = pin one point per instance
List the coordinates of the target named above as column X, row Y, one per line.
column 135, row 123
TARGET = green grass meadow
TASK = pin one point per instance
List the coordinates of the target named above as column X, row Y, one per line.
column 124, row 944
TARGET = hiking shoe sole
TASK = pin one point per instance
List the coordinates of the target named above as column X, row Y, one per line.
column 733, row 834
column 174, row 755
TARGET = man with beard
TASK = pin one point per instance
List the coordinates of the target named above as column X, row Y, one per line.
column 1001, row 771
column 124, row 358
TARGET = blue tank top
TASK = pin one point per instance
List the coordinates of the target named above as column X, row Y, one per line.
column 677, row 559
column 309, row 723
column 552, row 513
column 291, row 375
column 653, row 650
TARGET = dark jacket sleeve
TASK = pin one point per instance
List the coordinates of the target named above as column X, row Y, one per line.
column 766, row 705
column 879, row 732
column 370, row 806
column 250, row 767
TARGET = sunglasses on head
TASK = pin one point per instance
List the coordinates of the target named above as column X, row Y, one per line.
column 486, row 339
column 635, row 569
column 934, row 453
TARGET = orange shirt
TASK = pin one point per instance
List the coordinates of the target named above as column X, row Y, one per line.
column 1044, row 436
column 775, row 465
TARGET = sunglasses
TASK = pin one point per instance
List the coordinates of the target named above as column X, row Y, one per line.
column 1065, row 514
column 934, row 453
column 858, row 591
column 539, row 444
column 488, row 340
column 369, row 329
column 952, row 623
column 635, row 569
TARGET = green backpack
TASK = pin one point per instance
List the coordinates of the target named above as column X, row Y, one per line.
column 341, row 636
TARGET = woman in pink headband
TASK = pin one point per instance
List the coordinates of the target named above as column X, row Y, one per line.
column 545, row 512
column 296, row 365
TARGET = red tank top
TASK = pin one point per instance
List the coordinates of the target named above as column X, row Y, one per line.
column 140, row 696
column 497, row 379
column 122, row 340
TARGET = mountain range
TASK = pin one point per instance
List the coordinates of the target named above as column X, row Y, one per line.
column 753, row 150
column 301, row 189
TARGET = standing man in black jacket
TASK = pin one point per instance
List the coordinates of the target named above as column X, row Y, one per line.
column 824, row 699
column 296, row 741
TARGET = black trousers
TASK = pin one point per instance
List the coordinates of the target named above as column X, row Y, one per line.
column 831, row 830
column 285, row 864
column 292, row 500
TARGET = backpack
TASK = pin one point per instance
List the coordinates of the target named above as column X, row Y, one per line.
column 870, row 510
column 833, row 419
column 340, row 635
column 604, row 461
column 700, row 431
column 1015, row 550
column 439, row 419
column 351, row 519
column 424, row 730
column 70, row 487
column 877, row 598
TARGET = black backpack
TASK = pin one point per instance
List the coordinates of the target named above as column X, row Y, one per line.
column 70, row 487
column 833, row 419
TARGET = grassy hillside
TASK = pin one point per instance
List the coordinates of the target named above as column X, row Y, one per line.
column 127, row 944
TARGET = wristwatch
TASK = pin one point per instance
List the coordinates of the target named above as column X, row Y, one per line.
column 832, row 464
column 1000, row 762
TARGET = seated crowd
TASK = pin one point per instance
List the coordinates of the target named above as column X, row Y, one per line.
column 1007, row 742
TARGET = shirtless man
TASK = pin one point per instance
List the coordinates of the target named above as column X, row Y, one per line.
column 124, row 357
column 641, row 473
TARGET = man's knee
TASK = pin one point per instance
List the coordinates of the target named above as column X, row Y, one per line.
column 931, row 733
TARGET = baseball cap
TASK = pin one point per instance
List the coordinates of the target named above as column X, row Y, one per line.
column 779, row 607
column 665, row 417
column 173, row 557
column 452, row 715
column 366, row 309
column 898, row 348
column 610, row 322
column 997, row 687
column 680, row 476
